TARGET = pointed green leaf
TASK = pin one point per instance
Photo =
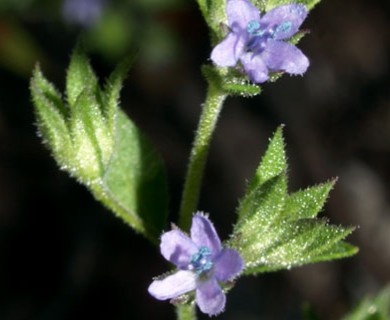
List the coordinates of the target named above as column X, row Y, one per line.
column 87, row 128
column 377, row 308
column 278, row 231
column 274, row 161
column 48, row 90
column 298, row 36
column 97, row 144
column 112, row 91
column 51, row 122
column 264, row 203
column 230, row 81
column 240, row 86
column 80, row 76
column 322, row 241
column 88, row 109
column 135, row 179
column 338, row 250
column 307, row 203
column 291, row 244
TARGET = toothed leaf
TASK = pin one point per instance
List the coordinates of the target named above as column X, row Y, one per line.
column 287, row 244
column 96, row 143
column 80, row 76
column 273, row 163
column 307, row 203
column 278, row 231
column 112, row 91
column 50, row 118
column 263, row 203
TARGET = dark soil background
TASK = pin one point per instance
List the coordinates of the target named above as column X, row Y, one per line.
column 64, row 256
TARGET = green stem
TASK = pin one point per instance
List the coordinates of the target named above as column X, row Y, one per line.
column 208, row 119
column 186, row 312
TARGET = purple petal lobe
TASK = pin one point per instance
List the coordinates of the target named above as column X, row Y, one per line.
column 209, row 297
column 174, row 285
column 204, row 235
column 283, row 56
column 228, row 265
column 255, row 67
column 285, row 20
column 177, row 248
column 240, row 13
column 83, row 12
column 226, row 53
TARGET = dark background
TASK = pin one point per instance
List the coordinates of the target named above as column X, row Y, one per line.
column 64, row 256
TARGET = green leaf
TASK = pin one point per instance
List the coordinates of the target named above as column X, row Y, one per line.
column 238, row 85
column 273, row 163
column 262, row 204
column 214, row 13
column 230, row 81
column 285, row 244
column 48, row 90
column 97, row 144
column 377, row 308
column 88, row 132
column 50, row 118
column 298, row 36
column 80, row 76
column 307, row 203
column 270, row 4
column 278, row 231
column 135, row 179
column 266, row 194
column 112, row 91
column 338, row 250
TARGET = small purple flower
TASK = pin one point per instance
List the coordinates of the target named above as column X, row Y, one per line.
column 201, row 263
column 257, row 41
column 83, row 12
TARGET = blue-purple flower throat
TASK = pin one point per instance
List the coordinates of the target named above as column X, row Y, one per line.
column 259, row 35
column 201, row 262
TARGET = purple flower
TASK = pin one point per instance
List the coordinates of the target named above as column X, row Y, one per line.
column 201, row 262
column 257, row 41
column 82, row 12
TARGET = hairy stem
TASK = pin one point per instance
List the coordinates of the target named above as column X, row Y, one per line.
column 186, row 312
column 195, row 171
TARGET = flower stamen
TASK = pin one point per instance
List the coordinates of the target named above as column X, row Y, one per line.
column 201, row 261
column 284, row 27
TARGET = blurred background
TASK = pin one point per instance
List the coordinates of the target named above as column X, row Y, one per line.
column 64, row 256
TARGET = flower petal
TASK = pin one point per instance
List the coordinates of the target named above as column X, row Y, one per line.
column 177, row 248
column 255, row 67
column 284, row 56
column 174, row 285
column 287, row 19
column 228, row 265
column 203, row 234
column 227, row 53
column 240, row 13
column 209, row 297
